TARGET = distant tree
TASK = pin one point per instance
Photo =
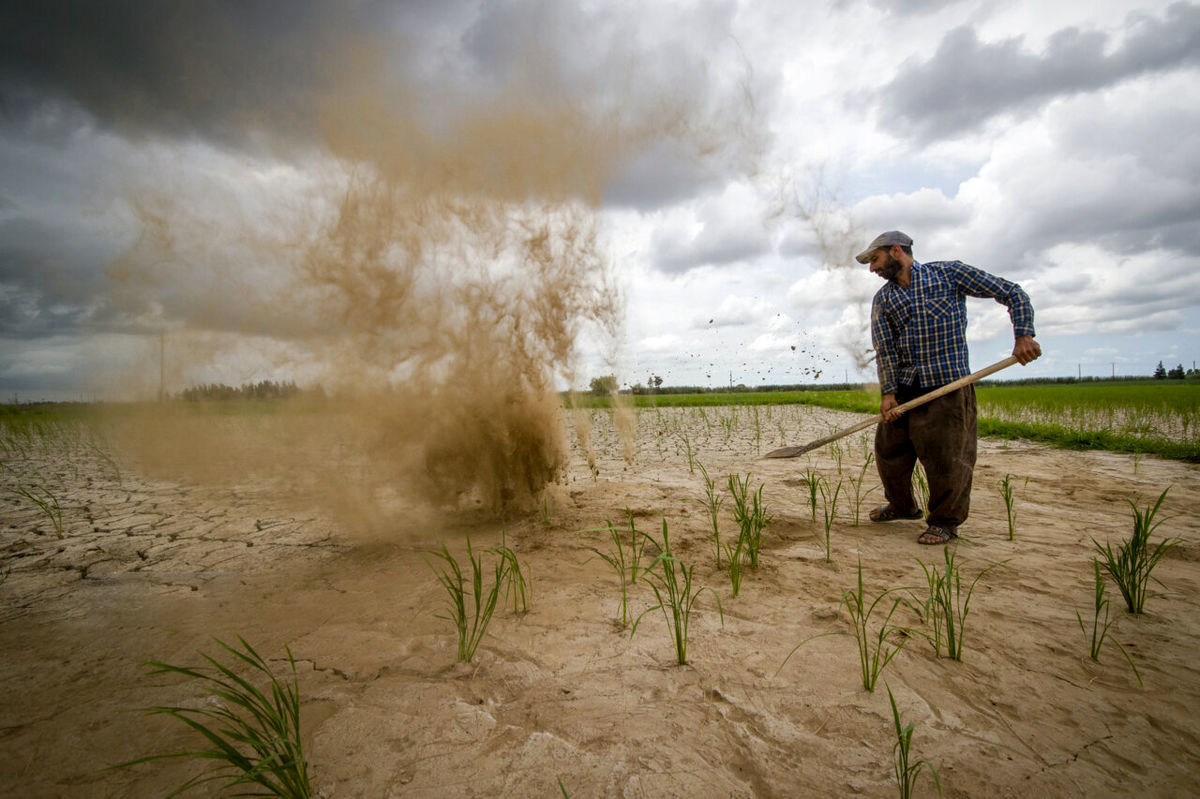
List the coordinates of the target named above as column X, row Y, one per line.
column 603, row 386
column 1176, row 373
column 1160, row 371
column 655, row 382
column 265, row 389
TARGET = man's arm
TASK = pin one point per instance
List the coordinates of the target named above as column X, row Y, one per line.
column 975, row 282
column 978, row 283
column 881, row 340
column 885, row 361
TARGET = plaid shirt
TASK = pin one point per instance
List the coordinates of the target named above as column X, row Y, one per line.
column 920, row 333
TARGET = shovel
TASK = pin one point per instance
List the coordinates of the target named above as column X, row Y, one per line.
column 791, row 452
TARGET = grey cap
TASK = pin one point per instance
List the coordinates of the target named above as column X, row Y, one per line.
column 883, row 240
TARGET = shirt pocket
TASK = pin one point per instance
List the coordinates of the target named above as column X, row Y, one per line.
column 942, row 302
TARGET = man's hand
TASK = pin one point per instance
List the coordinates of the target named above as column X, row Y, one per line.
column 1026, row 350
column 887, row 407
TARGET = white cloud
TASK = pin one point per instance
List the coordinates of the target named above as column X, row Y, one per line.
column 667, row 342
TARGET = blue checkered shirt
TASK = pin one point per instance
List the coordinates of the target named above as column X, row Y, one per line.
column 920, row 333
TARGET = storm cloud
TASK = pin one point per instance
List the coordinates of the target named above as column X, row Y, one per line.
column 172, row 165
column 968, row 82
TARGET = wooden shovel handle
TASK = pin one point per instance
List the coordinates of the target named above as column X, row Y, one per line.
column 791, row 452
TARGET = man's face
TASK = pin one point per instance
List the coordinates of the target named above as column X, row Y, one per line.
column 883, row 264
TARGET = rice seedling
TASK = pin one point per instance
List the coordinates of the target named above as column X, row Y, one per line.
column 691, row 456
column 921, row 487
column 875, row 650
column 253, row 733
column 1137, row 459
column 750, row 514
column 757, row 432
column 470, row 619
column 515, row 583
column 856, row 483
column 728, row 422
column 906, row 770
column 829, row 501
column 1130, row 566
column 672, row 586
column 46, row 501
column 712, row 504
column 946, row 607
column 625, row 561
column 838, row 452
column 812, row 482
column 1006, row 494
column 735, row 564
column 1100, row 627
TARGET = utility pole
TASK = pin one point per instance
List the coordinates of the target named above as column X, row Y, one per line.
column 1114, row 366
column 1079, row 371
column 162, row 365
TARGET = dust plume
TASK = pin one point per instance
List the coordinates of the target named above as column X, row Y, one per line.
column 837, row 238
column 432, row 273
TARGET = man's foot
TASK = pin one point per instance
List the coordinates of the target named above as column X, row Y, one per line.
column 937, row 534
column 889, row 513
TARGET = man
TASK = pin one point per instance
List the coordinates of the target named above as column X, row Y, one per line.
column 918, row 329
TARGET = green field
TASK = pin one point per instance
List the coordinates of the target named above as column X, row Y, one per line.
column 1156, row 417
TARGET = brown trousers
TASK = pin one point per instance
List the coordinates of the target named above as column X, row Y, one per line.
column 942, row 435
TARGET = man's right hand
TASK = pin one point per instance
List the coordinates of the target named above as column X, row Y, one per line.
column 887, row 407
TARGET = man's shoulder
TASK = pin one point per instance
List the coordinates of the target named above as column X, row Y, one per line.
column 940, row 266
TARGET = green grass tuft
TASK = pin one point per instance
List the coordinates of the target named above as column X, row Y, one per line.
column 253, row 733
column 1133, row 561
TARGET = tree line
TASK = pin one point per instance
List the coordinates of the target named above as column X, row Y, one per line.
column 1178, row 373
column 262, row 390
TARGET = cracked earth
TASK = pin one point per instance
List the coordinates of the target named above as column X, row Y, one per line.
column 154, row 564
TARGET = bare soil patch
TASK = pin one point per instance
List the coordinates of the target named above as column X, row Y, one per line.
column 156, row 569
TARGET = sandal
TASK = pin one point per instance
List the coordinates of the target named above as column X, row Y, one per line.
column 888, row 513
column 937, row 534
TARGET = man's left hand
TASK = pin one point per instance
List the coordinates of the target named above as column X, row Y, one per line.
column 1026, row 350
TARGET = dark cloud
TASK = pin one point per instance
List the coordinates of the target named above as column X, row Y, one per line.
column 713, row 246
column 48, row 279
column 214, row 69
column 968, row 82
column 906, row 8
column 659, row 176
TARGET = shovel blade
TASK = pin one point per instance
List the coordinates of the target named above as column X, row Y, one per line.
column 789, row 452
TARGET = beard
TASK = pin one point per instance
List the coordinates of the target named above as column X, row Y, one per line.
column 890, row 268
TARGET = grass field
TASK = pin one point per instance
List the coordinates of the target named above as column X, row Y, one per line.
column 1154, row 417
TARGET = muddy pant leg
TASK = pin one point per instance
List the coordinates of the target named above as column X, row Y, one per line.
column 895, row 458
column 944, row 433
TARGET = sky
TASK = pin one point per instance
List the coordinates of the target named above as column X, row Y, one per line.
column 163, row 168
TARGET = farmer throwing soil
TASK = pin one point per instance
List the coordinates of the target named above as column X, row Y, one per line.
column 919, row 331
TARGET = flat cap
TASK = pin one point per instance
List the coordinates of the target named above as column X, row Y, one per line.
column 883, row 240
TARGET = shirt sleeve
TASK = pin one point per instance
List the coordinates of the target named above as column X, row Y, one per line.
column 885, row 353
column 975, row 282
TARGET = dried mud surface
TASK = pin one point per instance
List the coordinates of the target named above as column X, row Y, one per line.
column 155, row 569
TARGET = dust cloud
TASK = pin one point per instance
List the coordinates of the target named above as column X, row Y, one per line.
column 431, row 271
column 837, row 238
